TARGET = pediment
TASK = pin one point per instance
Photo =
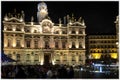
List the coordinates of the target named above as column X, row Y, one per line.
column 76, row 24
column 15, row 20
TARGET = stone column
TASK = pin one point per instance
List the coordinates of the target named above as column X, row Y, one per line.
column 22, row 29
column 83, row 57
column 32, row 42
column 77, row 58
column 70, row 59
column 23, row 57
column 5, row 41
column 42, row 42
column 83, row 31
column 83, row 43
column 40, row 54
column 14, row 41
column 25, row 46
column 22, row 41
column 61, row 57
column 77, row 43
column 52, row 43
column 39, row 43
column 42, row 59
column 60, row 44
column 32, row 57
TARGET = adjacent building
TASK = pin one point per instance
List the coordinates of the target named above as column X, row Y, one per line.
column 103, row 46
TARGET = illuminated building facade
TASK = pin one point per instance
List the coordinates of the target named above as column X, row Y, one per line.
column 44, row 42
column 102, row 45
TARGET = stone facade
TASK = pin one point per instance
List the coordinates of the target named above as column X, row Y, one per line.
column 44, row 42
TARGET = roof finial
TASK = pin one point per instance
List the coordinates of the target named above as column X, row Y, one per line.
column 68, row 18
column 32, row 19
column 80, row 19
column 83, row 22
column 6, row 17
column 22, row 14
column 60, row 21
column 72, row 17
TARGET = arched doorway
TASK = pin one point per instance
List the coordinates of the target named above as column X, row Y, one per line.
column 47, row 58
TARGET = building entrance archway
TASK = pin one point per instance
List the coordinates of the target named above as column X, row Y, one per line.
column 47, row 58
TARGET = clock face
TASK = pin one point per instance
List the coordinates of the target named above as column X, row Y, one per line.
column 47, row 26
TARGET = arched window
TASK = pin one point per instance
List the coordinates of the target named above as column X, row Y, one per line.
column 73, row 57
column 36, row 58
column 9, row 42
column 65, row 57
column 28, row 57
column 18, row 29
column 73, row 44
column 73, row 31
column 28, row 43
column 57, row 57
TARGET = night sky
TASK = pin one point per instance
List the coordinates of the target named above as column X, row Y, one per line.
column 99, row 16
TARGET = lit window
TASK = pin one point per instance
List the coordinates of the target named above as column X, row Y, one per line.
column 36, row 58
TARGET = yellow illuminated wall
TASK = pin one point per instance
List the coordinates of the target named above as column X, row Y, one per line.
column 96, row 55
column 114, row 55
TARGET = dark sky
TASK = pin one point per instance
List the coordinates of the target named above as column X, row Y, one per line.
column 99, row 16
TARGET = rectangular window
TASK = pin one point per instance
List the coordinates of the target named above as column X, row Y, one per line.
column 28, row 57
column 28, row 44
column 57, row 57
column 36, row 58
column 47, row 45
column 80, row 58
column 9, row 43
column 18, row 43
column 73, row 58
